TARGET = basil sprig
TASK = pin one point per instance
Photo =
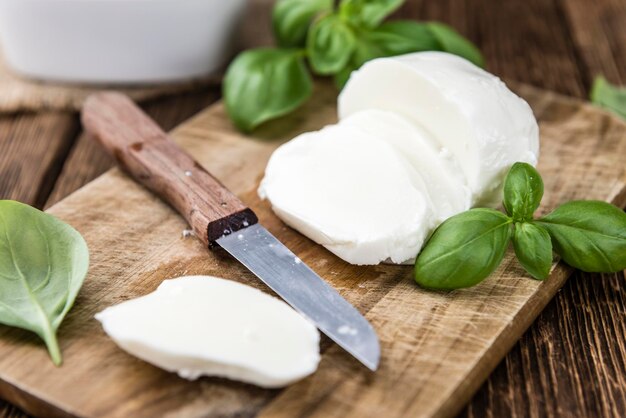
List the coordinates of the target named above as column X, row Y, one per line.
column 266, row 83
column 43, row 263
column 468, row 247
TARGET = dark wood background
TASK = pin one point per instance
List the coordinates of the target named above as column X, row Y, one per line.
column 571, row 362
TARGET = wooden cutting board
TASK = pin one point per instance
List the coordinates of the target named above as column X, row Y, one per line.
column 437, row 347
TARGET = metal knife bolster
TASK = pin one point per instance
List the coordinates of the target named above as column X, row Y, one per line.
column 217, row 216
column 228, row 225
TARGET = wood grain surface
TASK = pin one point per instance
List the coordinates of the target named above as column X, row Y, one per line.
column 437, row 347
column 571, row 361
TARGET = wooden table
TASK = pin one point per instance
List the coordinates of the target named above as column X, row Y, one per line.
column 572, row 361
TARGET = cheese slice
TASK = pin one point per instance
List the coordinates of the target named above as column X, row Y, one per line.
column 444, row 182
column 465, row 109
column 201, row 325
column 350, row 192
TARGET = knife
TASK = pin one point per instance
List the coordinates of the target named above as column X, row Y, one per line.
column 220, row 219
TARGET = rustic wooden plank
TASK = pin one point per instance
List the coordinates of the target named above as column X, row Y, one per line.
column 32, row 150
column 570, row 363
column 8, row 410
column 437, row 347
column 597, row 30
column 525, row 41
column 255, row 29
column 88, row 159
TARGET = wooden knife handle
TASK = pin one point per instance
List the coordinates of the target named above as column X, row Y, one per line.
column 146, row 152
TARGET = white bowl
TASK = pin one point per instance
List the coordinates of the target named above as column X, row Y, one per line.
column 117, row 41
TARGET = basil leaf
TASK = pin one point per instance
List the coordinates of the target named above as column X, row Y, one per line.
column 291, row 19
column 330, row 44
column 403, row 36
column 464, row 250
column 368, row 13
column 342, row 77
column 533, row 249
column 451, row 41
column 43, row 263
column 588, row 235
column 608, row 96
column 262, row 84
column 523, row 190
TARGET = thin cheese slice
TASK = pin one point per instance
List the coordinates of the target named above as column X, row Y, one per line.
column 201, row 325
column 465, row 109
column 352, row 193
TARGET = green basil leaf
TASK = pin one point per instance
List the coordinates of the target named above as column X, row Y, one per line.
column 330, row 44
column 588, row 235
column 523, row 190
column 341, row 78
column 368, row 13
column 403, row 37
column 464, row 250
column 451, row 41
column 263, row 84
column 533, row 249
column 291, row 19
column 43, row 263
column 608, row 96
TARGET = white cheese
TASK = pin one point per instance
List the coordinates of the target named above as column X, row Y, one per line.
column 200, row 325
column 421, row 137
column 467, row 110
column 352, row 193
column 444, row 183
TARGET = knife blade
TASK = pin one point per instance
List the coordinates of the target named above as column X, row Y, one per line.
column 220, row 219
column 304, row 290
